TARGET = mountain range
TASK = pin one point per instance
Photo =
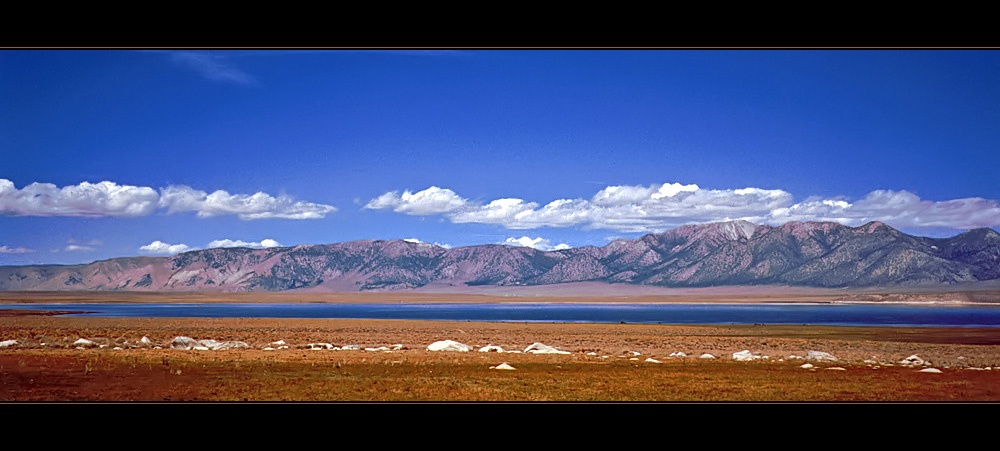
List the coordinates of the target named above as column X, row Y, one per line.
column 734, row 253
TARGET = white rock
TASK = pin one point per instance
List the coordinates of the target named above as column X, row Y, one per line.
column 380, row 348
column 634, row 358
column 184, row 343
column 83, row 343
column 398, row 347
column 231, row 345
column 278, row 343
column 145, row 340
column 652, row 360
column 210, row 344
column 678, row 354
column 706, row 356
column 744, row 356
column 320, row 346
column 929, row 370
column 8, row 343
column 490, row 348
column 349, row 348
column 538, row 348
column 449, row 345
column 806, row 365
column 502, row 366
column 591, row 353
column 820, row 356
column 837, row 368
column 214, row 345
column 912, row 360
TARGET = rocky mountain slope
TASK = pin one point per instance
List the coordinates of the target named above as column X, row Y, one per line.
column 814, row 254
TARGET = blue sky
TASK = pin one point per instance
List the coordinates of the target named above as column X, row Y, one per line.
column 107, row 153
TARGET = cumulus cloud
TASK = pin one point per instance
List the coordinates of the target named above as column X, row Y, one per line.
column 86, row 199
column 159, row 247
column 430, row 201
column 213, row 66
column 415, row 240
column 539, row 243
column 78, row 248
column 267, row 242
column 659, row 207
column 111, row 199
column 14, row 250
column 256, row 206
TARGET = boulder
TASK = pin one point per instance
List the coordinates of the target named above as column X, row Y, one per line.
column 184, row 343
column 490, row 348
column 448, row 345
column 744, row 356
column 319, row 346
column 502, row 366
column 8, row 343
column 706, row 356
column 84, row 343
column 538, row 348
column 929, row 370
column 820, row 356
column 913, row 360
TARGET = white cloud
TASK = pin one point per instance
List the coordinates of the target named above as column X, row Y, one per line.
column 110, row 199
column 656, row 208
column 159, row 247
column 213, row 66
column 256, row 206
column 14, row 250
column 417, row 241
column 539, row 243
column 78, row 248
column 86, row 199
column 265, row 243
column 430, row 201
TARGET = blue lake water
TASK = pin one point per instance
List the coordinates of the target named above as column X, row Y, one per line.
column 815, row 314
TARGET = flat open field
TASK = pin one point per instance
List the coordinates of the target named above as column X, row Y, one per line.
column 606, row 362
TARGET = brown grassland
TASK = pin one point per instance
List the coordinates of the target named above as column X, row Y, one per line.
column 607, row 362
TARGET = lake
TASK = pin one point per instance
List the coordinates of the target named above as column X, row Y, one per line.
column 811, row 314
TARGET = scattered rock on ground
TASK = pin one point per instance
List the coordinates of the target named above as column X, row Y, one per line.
column 539, row 348
column 820, row 356
column 182, row 342
column 913, row 360
column 502, row 366
column 449, row 345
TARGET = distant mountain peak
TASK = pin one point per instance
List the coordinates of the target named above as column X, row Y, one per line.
column 738, row 252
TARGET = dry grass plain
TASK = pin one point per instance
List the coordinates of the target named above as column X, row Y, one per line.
column 607, row 362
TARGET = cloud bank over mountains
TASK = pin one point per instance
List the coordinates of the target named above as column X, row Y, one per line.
column 655, row 208
column 160, row 248
column 111, row 199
